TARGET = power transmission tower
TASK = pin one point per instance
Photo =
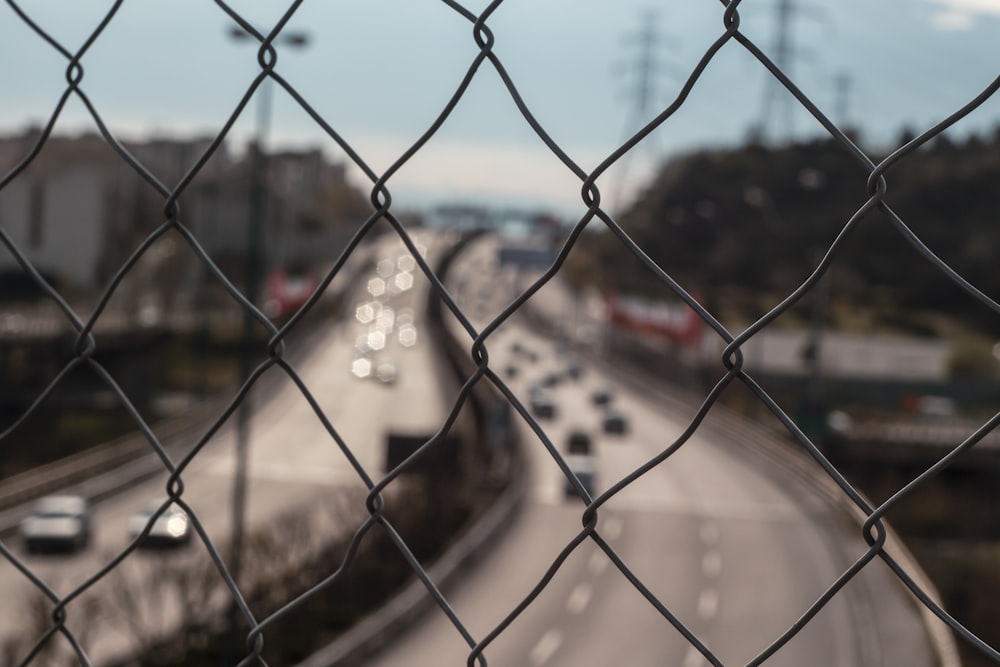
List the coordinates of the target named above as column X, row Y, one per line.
column 842, row 82
column 778, row 106
column 645, row 70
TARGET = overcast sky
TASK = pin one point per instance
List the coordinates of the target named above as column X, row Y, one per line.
column 380, row 71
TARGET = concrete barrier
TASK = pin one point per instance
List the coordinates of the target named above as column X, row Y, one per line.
column 402, row 610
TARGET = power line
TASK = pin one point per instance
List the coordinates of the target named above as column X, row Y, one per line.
column 777, row 110
column 645, row 71
column 842, row 83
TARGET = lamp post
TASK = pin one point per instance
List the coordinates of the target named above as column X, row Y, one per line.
column 253, row 267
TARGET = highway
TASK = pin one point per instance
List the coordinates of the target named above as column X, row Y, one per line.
column 298, row 479
column 737, row 551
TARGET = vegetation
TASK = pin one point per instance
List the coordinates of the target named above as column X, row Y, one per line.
column 174, row 605
column 743, row 228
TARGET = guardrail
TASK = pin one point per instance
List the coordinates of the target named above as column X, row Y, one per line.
column 405, row 608
column 101, row 468
column 777, row 448
column 104, row 470
column 774, row 445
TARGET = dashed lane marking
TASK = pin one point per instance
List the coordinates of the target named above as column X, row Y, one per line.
column 598, row 562
column 708, row 604
column 545, row 648
column 709, row 533
column 693, row 658
column 579, row 599
column 711, row 563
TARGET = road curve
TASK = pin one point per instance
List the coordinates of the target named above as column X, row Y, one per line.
column 736, row 550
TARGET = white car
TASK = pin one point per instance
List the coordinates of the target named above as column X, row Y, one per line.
column 170, row 529
column 57, row 523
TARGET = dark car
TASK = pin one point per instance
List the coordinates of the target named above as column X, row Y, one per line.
column 518, row 348
column 615, row 422
column 57, row 523
column 578, row 443
column 551, row 380
column 542, row 406
column 600, row 396
column 582, row 466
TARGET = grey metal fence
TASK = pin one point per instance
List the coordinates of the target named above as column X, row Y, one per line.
column 60, row 608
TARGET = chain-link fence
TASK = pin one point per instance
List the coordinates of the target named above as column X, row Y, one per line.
column 62, row 612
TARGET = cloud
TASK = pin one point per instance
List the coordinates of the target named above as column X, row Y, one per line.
column 962, row 14
column 980, row 6
column 447, row 169
column 952, row 20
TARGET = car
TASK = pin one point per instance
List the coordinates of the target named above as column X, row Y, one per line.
column 537, row 390
column 579, row 442
column 582, row 465
column 386, row 373
column 172, row 528
column 361, row 367
column 574, row 371
column 614, row 422
column 519, row 349
column 600, row 396
column 542, row 406
column 57, row 523
column 551, row 380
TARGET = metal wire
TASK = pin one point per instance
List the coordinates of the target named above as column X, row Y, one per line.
column 873, row 530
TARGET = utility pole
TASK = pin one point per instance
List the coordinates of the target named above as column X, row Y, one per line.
column 253, row 269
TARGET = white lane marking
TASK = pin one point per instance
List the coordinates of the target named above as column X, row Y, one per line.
column 709, row 533
column 693, row 658
column 708, row 604
column 611, row 528
column 546, row 646
column 711, row 563
column 641, row 500
column 579, row 599
column 274, row 471
column 598, row 563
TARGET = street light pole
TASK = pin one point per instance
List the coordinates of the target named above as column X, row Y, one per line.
column 254, row 267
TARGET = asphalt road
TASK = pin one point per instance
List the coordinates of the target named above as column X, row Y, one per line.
column 298, row 477
column 736, row 550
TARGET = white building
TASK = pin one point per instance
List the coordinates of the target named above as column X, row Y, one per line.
column 59, row 210
column 57, row 222
column 841, row 355
column 78, row 209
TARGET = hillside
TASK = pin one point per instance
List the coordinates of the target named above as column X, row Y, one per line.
column 744, row 227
